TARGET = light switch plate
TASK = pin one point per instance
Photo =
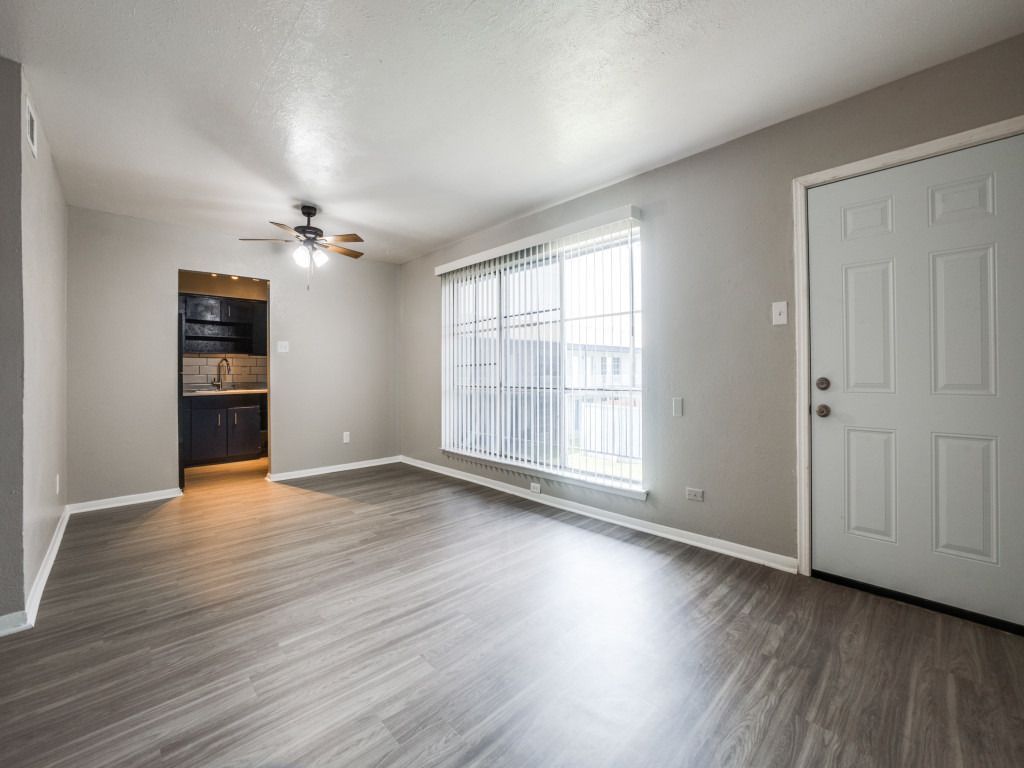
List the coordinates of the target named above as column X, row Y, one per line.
column 695, row 494
column 780, row 313
column 282, row 346
column 677, row 406
column 346, row 437
column 534, row 487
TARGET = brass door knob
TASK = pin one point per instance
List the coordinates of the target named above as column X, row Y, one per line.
column 823, row 383
column 823, row 410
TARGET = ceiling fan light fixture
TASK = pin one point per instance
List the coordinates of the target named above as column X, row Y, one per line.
column 301, row 256
column 319, row 257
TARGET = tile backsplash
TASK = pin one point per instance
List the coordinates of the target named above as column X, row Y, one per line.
column 245, row 369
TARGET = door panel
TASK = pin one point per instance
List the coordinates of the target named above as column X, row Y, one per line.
column 236, row 311
column 870, row 475
column 202, row 308
column 916, row 279
column 868, row 335
column 965, row 496
column 964, row 322
column 244, row 430
column 259, row 328
column 209, row 434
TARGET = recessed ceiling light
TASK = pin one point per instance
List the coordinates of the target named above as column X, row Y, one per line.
column 214, row 274
column 256, row 280
column 234, row 277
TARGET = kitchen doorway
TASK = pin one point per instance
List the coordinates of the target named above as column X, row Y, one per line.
column 223, row 370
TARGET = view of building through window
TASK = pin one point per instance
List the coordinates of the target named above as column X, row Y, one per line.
column 543, row 357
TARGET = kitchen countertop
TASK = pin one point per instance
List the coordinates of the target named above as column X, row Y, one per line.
column 209, row 392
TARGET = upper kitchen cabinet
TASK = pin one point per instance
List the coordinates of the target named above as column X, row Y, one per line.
column 203, row 308
column 219, row 326
column 259, row 328
column 236, row 311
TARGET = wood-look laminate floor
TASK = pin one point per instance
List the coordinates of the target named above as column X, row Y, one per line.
column 393, row 617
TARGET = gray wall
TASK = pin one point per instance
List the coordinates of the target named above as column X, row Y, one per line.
column 717, row 251
column 12, row 349
column 45, row 266
column 122, row 316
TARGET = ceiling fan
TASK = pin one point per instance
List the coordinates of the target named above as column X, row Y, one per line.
column 313, row 244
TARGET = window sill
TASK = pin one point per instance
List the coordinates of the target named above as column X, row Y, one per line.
column 630, row 492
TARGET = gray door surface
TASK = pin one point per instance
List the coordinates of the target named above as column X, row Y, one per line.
column 917, row 321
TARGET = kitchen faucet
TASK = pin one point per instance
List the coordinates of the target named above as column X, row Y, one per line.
column 219, row 381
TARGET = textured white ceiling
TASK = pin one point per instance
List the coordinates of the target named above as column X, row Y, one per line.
column 416, row 123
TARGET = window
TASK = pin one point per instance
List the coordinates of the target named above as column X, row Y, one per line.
column 527, row 339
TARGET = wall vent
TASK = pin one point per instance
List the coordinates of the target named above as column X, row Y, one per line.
column 30, row 127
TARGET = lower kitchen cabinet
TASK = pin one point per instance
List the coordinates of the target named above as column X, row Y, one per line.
column 244, row 430
column 222, row 428
column 209, row 436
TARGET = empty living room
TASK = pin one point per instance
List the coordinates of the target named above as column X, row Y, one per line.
column 581, row 384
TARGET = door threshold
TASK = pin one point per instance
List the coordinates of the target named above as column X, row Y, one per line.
column 920, row 602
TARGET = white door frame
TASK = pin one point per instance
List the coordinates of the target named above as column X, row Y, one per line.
column 802, row 320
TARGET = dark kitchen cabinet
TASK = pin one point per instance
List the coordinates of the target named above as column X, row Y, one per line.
column 203, row 308
column 223, row 427
column 244, row 430
column 216, row 325
column 259, row 328
column 236, row 311
column 209, row 435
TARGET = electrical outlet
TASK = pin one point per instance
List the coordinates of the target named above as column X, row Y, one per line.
column 282, row 346
column 695, row 494
column 534, row 487
column 346, row 437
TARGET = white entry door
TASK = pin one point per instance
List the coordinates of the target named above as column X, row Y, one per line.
column 917, row 323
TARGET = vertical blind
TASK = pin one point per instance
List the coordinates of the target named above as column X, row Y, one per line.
column 541, row 357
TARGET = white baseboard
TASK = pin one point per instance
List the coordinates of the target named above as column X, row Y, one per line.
column 276, row 477
column 743, row 552
column 123, row 501
column 35, row 595
column 13, row 622
column 20, row 620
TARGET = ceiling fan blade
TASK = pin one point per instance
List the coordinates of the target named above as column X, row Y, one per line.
column 287, row 229
column 352, row 238
column 340, row 249
column 264, row 240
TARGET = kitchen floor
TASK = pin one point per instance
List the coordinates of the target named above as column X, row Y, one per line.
column 213, row 477
column 394, row 617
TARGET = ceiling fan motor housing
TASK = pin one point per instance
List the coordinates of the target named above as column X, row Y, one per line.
column 307, row 230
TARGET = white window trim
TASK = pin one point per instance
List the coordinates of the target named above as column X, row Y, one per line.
column 611, row 486
column 591, row 222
